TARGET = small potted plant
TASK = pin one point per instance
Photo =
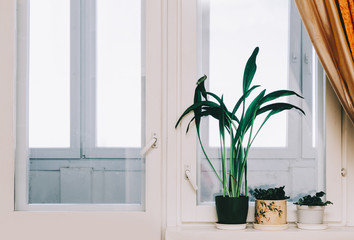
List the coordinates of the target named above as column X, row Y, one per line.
column 310, row 211
column 270, row 210
column 236, row 124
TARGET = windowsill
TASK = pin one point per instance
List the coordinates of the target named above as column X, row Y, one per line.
column 210, row 232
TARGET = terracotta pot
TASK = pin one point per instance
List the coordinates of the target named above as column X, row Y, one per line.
column 270, row 212
column 231, row 210
column 310, row 214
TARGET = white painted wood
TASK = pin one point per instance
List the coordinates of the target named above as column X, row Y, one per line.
column 78, row 221
column 349, row 156
column 334, row 181
column 172, row 111
column 209, row 232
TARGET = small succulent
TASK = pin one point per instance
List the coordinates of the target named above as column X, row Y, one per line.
column 270, row 194
column 314, row 200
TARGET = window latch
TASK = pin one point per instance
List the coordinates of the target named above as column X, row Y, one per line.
column 188, row 174
column 343, row 172
column 151, row 144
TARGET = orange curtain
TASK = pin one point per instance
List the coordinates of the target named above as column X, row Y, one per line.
column 329, row 24
column 347, row 13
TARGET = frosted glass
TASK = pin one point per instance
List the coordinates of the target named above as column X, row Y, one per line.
column 119, row 88
column 49, row 74
column 236, row 28
column 57, row 178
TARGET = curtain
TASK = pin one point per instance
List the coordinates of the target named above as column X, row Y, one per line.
column 329, row 24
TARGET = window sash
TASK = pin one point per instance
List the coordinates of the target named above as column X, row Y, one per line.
column 151, row 205
column 83, row 92
column 74, row 150
column 292, row 149
column 190, row 211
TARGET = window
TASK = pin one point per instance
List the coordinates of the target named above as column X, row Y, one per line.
column 229, row 32
column 166, row 76
column 89, row 221
column 296, row 157
column 86, row 103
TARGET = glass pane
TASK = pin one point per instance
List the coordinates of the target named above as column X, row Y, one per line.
column 97, row 177
column 119, row 75
column 236, row 28
column 49, row 74
column 229, row 30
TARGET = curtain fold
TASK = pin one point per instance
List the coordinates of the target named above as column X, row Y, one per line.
column 324, row 22
column 346, row 14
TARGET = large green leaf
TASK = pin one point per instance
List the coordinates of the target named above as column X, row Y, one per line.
column 201, row 86
column 250, row 70
column 277, row 94
column 278, row 107
column 251, row 112
column 274, row 109
column 242, row 98
column 194, row 107
column 207, row 111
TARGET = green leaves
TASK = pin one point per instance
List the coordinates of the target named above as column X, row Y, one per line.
column 270, row 194
column 250, row 70
column 314, row 200
column 197, row 108
column 277, row 94
column 236, row 127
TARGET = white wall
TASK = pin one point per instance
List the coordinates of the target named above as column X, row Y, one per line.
column 348, row 155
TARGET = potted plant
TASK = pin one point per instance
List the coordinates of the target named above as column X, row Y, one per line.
column 236, row 124
column 310, row 211
column 270, row 209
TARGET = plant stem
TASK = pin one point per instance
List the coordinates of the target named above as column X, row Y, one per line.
column 212, row 166
column 244, row 167
column 239, row 170
column 232, row 170
column 223, row 161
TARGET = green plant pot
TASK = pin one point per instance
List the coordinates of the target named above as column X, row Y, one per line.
column 231, row 210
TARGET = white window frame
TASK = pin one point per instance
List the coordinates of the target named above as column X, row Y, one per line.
column 184, row 42
column 89, row 148
column 74, row 150
column 152, row 122
column 92, row 224
column 82, row 91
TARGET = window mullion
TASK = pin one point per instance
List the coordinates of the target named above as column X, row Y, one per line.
column 88, row 77
column 308, row 150
column 75, row 77
column 294, row 81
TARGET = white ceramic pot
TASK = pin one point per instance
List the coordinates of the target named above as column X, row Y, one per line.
column 310, row 214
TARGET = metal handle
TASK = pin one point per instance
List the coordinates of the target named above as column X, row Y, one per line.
column 343, row 172
column 189, row 178
column 151, row 144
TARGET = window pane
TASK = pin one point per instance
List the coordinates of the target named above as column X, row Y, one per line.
column 111, row 171
column 119, row 74
column 229, row 30
column 236, row 28
column 49, row 74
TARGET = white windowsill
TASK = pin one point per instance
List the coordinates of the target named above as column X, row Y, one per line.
column 293, row 233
